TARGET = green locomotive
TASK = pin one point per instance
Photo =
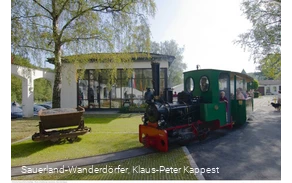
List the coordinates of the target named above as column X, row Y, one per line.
column 212, row 99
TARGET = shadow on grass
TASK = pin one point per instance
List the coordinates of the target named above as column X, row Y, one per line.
column 119, row 115
column 26, row 149
column 105, row 118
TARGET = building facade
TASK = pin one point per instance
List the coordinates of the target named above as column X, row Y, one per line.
column 269, row 87
column 94, row 91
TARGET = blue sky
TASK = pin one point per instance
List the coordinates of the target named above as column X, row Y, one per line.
column 207, row 29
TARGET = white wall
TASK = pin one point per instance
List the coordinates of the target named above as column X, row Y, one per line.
column 136, row 65
column 178, row 88
column 69, row 86
column 275, row 92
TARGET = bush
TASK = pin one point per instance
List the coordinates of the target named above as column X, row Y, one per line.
column 256, row 94
column 132, row 108
column 124, row 109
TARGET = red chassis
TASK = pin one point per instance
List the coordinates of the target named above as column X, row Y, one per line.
column 151, row 136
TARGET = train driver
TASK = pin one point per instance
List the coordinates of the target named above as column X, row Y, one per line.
column 204, row 83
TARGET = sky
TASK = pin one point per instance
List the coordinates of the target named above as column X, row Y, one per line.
column 207, row 29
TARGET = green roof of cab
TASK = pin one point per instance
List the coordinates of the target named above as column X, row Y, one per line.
column 214, row 71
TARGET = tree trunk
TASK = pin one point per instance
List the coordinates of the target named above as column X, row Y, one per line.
column 58, row 79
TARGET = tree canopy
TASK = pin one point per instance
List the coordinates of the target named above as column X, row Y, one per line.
column 263, row 41
column 258, row 76
column 63, row 27
column 271, row 66
column 255, row 84
column 175, row 71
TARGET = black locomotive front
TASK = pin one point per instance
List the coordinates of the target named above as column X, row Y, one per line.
column 185, row 111
column 161, row 110
column 165, row 122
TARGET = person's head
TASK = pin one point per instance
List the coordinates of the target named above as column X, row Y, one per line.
column 222, row 94
column 204, row 81
column 279, row 91
column 238, row 91
column 204, row 84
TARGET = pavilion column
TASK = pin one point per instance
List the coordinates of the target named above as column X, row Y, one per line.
column 27, row 96
column 52, row 84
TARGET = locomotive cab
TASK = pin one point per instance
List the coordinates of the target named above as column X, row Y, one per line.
column 208, row 84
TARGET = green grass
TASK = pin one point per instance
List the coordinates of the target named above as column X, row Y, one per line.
column 23, row 128
column 175, row 159
column 110, row 133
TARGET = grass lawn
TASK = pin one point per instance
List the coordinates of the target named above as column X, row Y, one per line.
column 174, row 158
column 110, row 133
column 22, row 128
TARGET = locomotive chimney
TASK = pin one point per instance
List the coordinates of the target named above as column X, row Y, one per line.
column 155, row 79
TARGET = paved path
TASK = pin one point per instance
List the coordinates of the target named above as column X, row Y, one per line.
column 250, row 152
column 264, row 101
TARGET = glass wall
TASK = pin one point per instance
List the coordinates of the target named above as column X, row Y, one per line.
column 95, row 91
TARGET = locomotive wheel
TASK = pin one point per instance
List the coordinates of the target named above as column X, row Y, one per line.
column 204, row 135
column 202, row 132
column 184, row 143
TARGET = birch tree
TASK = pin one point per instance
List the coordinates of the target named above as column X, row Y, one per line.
column 54, row 28
column 265, row 36
column 175, row 71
